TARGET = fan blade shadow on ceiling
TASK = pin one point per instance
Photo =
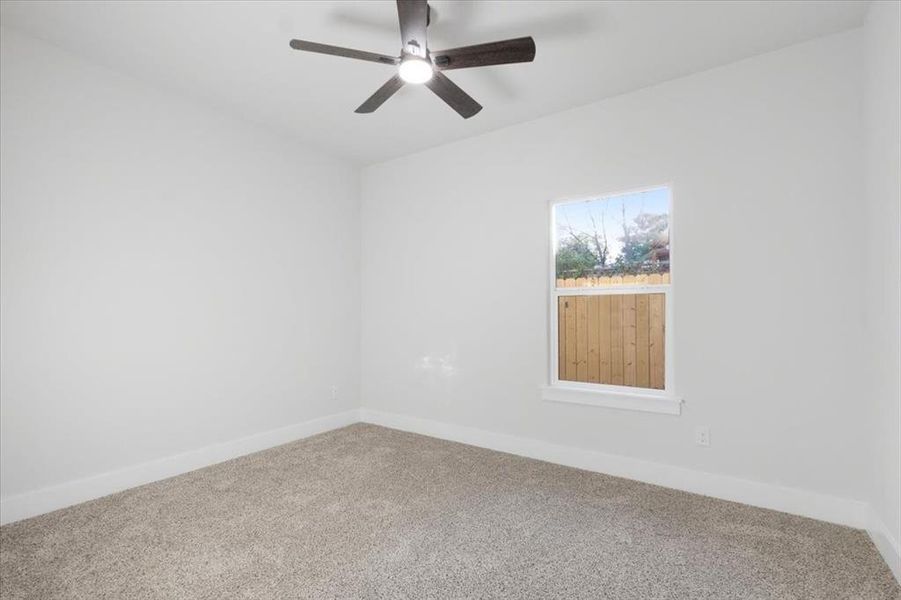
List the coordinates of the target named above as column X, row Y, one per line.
column 386, row 26
column 381, row 24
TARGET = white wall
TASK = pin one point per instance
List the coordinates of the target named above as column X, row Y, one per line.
column 882, row 128
column 764, row 156
column 172, row 277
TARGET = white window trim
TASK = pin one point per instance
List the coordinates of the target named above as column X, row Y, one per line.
column 598, row 394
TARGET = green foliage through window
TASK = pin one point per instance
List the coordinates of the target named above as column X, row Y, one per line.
column 621, row 235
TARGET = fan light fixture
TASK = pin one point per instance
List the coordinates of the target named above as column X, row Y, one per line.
column 415, row 70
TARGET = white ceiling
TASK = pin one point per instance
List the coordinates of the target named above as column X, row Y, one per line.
column 236, row 55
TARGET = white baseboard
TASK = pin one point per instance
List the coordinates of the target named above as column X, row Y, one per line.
column 886, row 542
column 29, row 504
column 853, row 513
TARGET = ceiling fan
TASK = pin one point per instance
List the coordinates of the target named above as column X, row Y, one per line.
column 417, row 64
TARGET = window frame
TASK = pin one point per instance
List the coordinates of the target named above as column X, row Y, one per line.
column 602, row 394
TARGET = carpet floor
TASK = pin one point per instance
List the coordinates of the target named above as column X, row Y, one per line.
column 369, row 512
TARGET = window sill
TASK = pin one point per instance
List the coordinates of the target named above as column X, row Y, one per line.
column 643, row 401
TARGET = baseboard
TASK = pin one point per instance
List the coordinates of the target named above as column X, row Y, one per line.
column 30, row 504
column 886, row 542
column 842, row 511
column 805, row 503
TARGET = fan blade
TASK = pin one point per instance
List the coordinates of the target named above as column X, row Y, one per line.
column 345, row 52
column 456, row 98
column 482, row 55
column 414, row 21
column 381, row 94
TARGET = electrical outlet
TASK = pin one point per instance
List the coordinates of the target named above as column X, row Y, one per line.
column 334, row 392
column 702, row 435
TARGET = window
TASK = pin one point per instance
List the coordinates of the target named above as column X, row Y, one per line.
column 611, row 301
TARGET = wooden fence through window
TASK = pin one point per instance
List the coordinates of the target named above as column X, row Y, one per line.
column 616, row 339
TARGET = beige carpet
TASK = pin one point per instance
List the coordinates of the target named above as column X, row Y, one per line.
column 368, row 512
